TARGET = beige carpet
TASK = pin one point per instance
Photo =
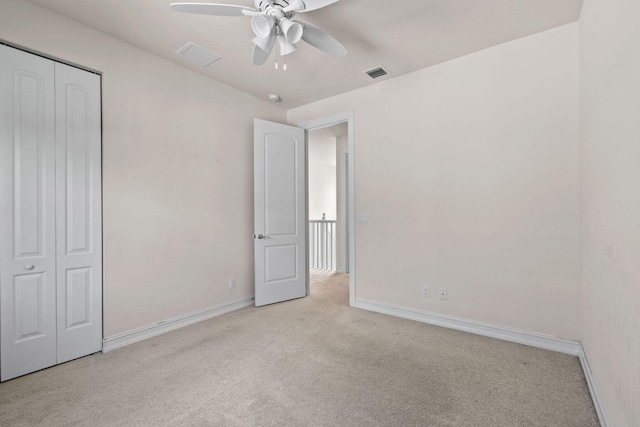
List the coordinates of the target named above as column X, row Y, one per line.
column 309, row 362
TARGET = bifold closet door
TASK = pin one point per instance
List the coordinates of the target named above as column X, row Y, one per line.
column 50, row 213
column 78, row 213
column 27, row 213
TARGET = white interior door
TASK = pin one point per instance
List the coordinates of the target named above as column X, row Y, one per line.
column 50, row 213
column 78, row 212
column 27, row 214
column 280, row 203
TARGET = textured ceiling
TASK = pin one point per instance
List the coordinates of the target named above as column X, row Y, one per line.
column 403, row 36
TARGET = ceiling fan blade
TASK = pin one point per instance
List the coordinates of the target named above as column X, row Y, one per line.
column 262, row 49
column 310, row 5
column 260, row 56
column 211, row 9
column 320, row 39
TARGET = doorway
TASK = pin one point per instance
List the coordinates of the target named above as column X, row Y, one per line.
column 332, row 138
column 327, row 244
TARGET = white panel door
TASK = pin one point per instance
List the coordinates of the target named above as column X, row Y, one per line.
column 78, row 212
column 280, row 202
column 50, row 213
column 27, row 214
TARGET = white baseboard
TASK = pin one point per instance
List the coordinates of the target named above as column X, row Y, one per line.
column 597, row 403
column 117, row 341
column 546, row 342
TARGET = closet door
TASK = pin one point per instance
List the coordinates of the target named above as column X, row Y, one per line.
column 78, row 212
column 50, row 213
column 27, row 214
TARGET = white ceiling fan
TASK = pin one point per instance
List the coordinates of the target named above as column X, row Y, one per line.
column 272, row 23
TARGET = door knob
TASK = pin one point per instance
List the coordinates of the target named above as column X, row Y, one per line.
column 29, row 267
column 260, row 236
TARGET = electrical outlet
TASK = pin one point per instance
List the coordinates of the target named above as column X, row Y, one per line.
column 232, row 283
column 443, row 293
column 425, row 291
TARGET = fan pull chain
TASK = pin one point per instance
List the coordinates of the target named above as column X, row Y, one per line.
column 284, row 62
column 284, row 58
column 276, row 29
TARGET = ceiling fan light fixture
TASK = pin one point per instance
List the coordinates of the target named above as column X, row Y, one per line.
column 292, row 30
column 264, row 43
column 262, row 25
column 284, row 46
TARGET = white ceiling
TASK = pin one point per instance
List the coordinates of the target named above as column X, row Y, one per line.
column 403, row 36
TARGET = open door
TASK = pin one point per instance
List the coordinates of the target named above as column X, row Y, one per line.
column 280, row 223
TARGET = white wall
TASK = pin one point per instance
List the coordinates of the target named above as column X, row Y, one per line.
column 468, row 172
column 610, row 170
column 177, row 167
column 322, row 175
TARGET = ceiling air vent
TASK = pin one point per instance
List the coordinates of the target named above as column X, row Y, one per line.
column 197, row 54
column 377, row 72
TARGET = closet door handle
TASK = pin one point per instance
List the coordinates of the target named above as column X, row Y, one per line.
column 29, row 267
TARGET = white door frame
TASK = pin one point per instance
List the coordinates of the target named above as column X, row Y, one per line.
column 344, row 209
column 329, row 121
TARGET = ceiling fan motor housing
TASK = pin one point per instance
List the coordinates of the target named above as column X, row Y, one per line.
column 274, row 8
